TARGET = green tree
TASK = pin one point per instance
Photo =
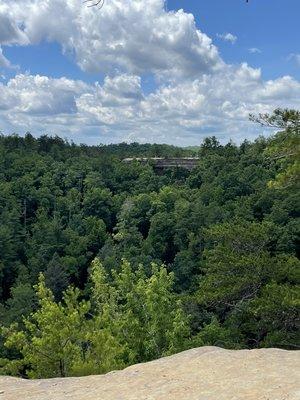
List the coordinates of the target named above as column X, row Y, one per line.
column 274, row 316
column 284, row 147
column 253, row 292
column 51, row 342
column 237, row 265
column 98, row 202
column 21, row 303
column 216, row 334
column 56, row 278
column 142, row 311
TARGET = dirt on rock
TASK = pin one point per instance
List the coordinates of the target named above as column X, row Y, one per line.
column 207, row 373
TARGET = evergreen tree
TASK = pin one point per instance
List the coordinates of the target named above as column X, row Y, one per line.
column 51, row 342
column 56, row 278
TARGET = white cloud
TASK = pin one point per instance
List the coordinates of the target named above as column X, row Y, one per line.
column 134, row 36
column 4, row 63
column 40, row 96
column 295, row 57
column 118, row 109
column 254, row 50
column 10, row 33
column 196, row 94
column 227, row 37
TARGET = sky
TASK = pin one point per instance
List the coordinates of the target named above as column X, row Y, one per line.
column 158, row 71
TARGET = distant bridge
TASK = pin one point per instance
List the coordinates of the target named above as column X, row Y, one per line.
column 161, row 163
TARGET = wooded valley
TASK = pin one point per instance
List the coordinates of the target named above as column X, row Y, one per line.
column 104, row 264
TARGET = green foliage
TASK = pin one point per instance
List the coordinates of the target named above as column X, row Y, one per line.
column 133, row 318
column 142, row 311
column 249, row 287
column 50, row 344
column 238, row 264
column 212, row 254
column 275, row 315
column 284, row 147
column 215, row 334
column 285, row 150
column 56, row 278
column 20, row 304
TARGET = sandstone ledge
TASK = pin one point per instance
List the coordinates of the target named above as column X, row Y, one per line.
column 207, row 373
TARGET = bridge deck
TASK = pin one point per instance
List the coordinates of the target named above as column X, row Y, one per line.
column 165, row 163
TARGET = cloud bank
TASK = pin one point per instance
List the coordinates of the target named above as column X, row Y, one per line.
column 196, row 93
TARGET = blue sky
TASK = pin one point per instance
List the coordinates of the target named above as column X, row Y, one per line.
column 139, row 70
column 269, row 25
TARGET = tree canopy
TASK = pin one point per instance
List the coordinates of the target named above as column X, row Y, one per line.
column 285, row 146
column 105, row 263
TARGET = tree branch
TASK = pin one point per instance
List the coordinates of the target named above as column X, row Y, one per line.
column 95, row 3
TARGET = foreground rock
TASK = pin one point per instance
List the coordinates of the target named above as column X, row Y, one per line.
column 206, row 373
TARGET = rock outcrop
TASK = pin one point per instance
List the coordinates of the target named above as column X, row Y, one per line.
column 207, row 373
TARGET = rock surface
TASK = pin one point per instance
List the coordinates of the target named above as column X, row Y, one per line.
column 207, row 373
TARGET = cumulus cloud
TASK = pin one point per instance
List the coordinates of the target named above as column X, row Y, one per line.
column 134, row 36
column 118, row 109
column 254, row 50
column 227, row 37
column 196, row 93
column 40, row 95
column 10, row 33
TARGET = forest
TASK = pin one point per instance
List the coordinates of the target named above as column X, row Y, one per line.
column 105, row 264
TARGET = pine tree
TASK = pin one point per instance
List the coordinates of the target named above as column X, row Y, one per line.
column 51, row 342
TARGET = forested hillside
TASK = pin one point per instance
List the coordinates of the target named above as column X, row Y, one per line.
column 135, row 264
